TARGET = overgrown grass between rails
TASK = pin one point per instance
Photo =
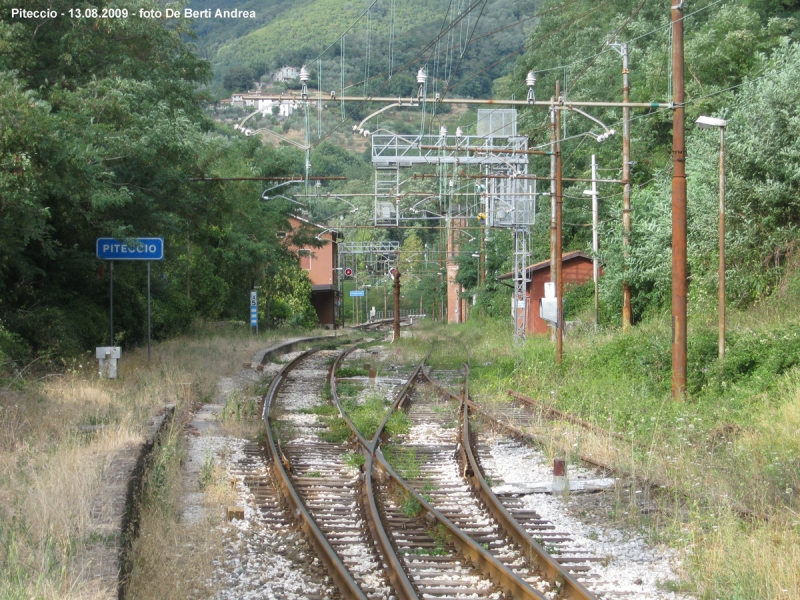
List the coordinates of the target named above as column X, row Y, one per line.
column 366, row 418
column 351, row 371
column 403, row 460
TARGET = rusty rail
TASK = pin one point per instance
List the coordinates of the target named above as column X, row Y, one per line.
column 466, row 545
column 341, row 576
column 397, row 575
column 552, row 412
column 570, row 587
column 401, row 584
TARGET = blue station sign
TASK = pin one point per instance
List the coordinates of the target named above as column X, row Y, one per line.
column 133, row 249
column 356, row 293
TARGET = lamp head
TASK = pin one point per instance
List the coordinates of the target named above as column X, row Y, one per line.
column 709, row 122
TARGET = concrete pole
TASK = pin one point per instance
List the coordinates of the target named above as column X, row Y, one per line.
column 482, row 258
column 721, row 243
column 559, row 252
column 626, row 192
column 679, row 268
column 595, row 243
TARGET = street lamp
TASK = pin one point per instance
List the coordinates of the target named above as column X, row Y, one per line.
column 709, row 123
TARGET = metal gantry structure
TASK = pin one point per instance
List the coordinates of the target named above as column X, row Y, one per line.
column 452, row 155
column 482, row 176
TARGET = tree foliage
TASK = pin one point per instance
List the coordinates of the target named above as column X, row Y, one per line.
column 103, row 132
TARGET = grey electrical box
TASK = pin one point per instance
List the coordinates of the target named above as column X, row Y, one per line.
column 108, row 357
column 548, row 310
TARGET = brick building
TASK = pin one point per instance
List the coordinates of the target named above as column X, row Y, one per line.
column 576, row 269
column 320, row 263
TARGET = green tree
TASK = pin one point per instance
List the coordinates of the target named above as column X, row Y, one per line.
column 239, row 79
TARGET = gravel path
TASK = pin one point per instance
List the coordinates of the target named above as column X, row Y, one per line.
column 262, row 557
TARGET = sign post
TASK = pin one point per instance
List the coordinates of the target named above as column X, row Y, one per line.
column 254, row 310
column 111, row 300
column 147, row 249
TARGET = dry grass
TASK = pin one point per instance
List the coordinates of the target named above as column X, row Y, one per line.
column 172, row 558
column 58, row 437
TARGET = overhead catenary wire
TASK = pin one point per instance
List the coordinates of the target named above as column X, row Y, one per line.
column 511, row 55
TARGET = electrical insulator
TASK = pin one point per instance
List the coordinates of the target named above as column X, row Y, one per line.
column 530, row 81
column 443, row 131
column 459, row 131
column 304, row 77
column 421, row 78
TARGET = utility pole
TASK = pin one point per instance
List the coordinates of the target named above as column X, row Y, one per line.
column 721, row 291
column 559, row 253
column 679, row 280
column 626, row 192
column 711, row 122
column 396, row 306
column 553, row 137
column 482, row 258
column 595, row 241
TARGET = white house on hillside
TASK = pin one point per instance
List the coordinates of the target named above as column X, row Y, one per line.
column 286, row 73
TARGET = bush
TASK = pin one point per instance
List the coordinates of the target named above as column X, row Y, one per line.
column 577, row 298
column 12, row 348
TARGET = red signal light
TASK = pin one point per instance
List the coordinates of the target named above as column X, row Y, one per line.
column 348, row 272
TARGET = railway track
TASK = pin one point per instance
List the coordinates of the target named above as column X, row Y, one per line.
column 472, row 531
column 411, row 514
column 482, row 464
column 449, row 477
column 319, row 484
column 332, row 502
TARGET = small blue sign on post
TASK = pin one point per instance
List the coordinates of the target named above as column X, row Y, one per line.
column 254, row 309
column 137, row 249
column 354, row 293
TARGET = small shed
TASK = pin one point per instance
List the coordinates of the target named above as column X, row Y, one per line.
column 576, row 269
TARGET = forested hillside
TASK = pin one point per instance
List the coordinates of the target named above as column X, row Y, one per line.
column 392, row 37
